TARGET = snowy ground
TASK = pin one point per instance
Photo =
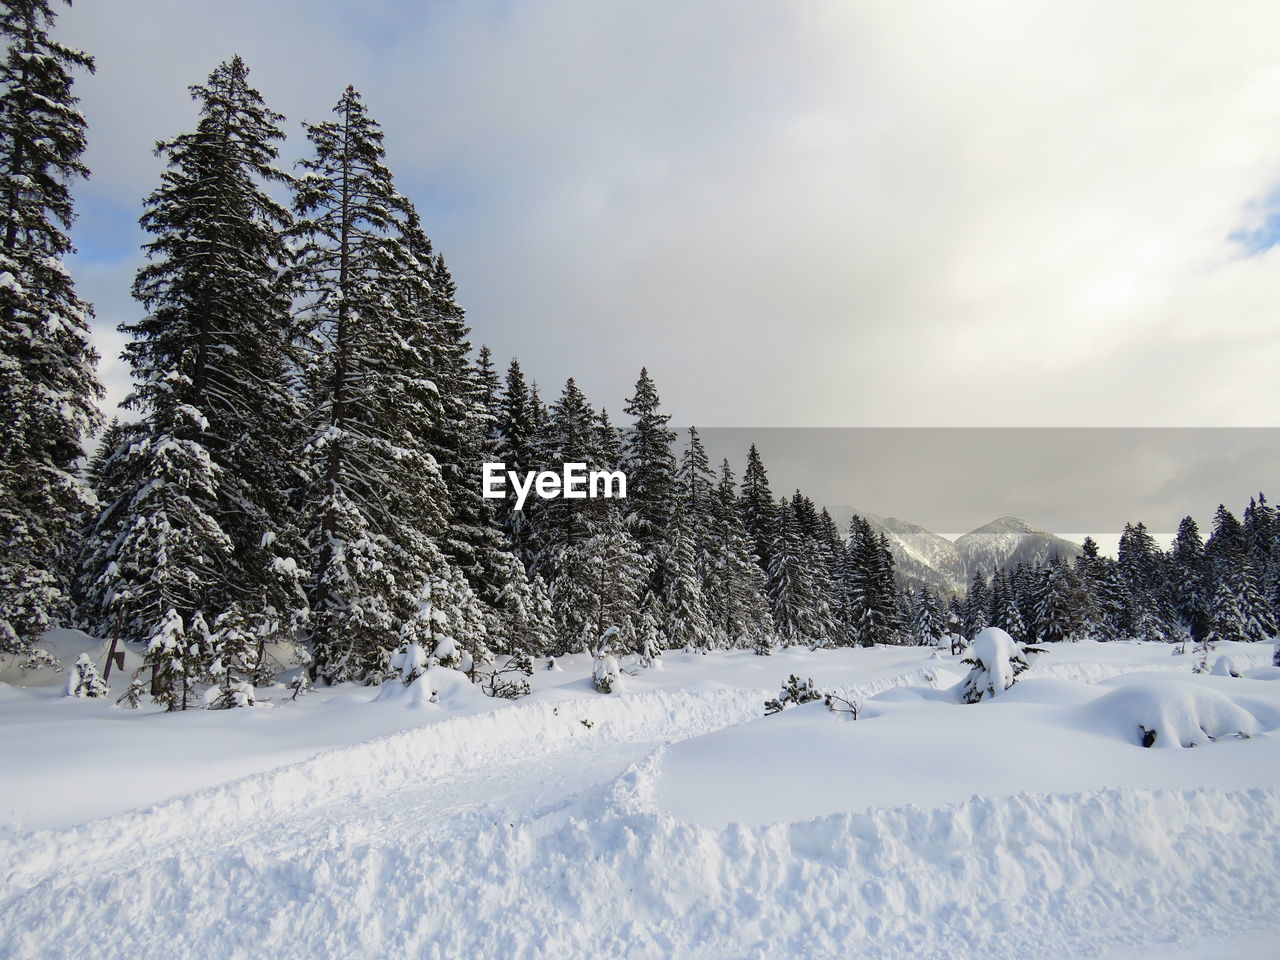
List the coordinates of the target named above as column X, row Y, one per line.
column 671, row 820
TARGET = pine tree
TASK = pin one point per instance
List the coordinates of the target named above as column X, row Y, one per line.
column 236, row 650
column 1190, row 573
column 1058, row 606
column 599, row 584
column 572, row 435
column 1229, row 561
column 695, row 490
column 833, row 560
column 158, row 550
column 1259, row 531
column 171, row 661
column 211, row 361
column 1227, row 545
column 977, row 606
column 759, row 510
column 1005, row 613
column 1149, row 614
column 736, row 586
column 1259, row 622
column 1104, row 595
column 516, row 445
column 927, row 623
column 869, row 596
column 487, row 383
column 524, row 621
column 818, row 560
column 459, row 440
column 649, row 465
column 1226, row 620
column 688, row 623
column 48, row 388
column 793, row 600
column 376, row 499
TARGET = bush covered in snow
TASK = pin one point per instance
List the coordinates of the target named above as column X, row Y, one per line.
column 1227, row 667
column 793, row 693
column 507, row 681
column 796, row 691
column 606, row 672
column 84, row 680
column 1170, row 712
column 997, row 661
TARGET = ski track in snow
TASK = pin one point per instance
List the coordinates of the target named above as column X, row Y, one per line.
column 521, row 833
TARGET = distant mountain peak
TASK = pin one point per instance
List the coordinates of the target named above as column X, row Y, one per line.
column 1007, row 525
column 925, row 558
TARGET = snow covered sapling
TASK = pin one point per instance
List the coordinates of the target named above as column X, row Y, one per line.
column 235, row 646
column 428, row 630
column 648, row 640
column 301, row 684
column 137, row 690
column 40, row 659
column 168, row 657
column 507, row 682
column 449, row 655
column 793, row 693
column 606, row 673
column 997, row 661
column 84, row 681
column 410, row 661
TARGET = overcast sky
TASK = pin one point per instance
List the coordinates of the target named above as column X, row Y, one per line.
column 819, row 213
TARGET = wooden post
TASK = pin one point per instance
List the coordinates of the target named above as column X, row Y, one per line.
column 114, row 657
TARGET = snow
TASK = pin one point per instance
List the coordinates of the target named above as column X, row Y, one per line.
column 1175, row 711
column 672, row 819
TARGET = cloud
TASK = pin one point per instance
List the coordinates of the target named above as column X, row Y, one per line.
column 829, row 213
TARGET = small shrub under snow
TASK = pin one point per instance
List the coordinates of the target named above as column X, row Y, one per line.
column 1169, row 712
column 793, row 693
column 84, row 681
column 606, row 672
column 796, row 691
column 1227, row 667
column 997, row 660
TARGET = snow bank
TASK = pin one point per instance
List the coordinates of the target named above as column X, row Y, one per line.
column 1168, row 712
column 367, row 771
column 1024, row 877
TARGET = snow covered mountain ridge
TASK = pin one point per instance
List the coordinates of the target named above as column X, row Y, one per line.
column 925, row 558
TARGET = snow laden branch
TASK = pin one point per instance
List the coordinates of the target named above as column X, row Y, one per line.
column 796, row 691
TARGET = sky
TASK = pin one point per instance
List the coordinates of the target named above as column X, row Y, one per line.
column 836, row 213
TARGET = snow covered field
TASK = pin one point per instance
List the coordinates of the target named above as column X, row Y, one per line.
column 672, row 819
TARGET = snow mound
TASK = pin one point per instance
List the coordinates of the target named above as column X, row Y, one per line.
column 437, row 687
column 1160, row 712
column 1228, row 667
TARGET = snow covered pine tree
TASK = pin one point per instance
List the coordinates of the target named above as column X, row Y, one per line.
column 48, row 389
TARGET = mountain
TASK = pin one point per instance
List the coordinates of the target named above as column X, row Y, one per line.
column 1008, row 542
column 925, row 558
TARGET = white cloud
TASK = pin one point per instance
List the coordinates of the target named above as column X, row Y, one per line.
column 820, row 213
